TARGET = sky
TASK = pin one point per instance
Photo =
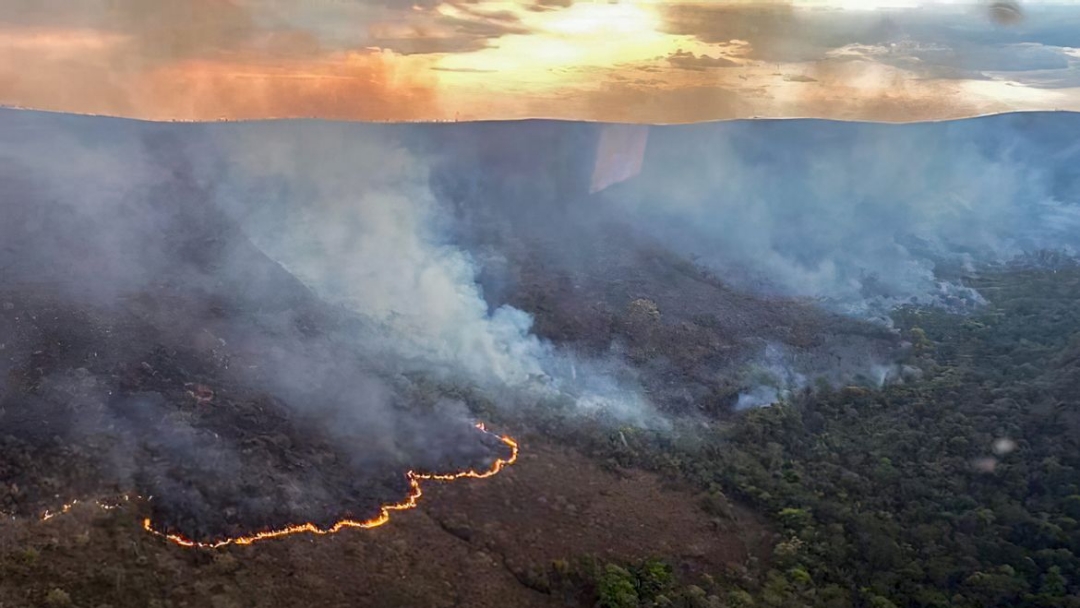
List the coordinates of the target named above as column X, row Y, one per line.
column 652, row 61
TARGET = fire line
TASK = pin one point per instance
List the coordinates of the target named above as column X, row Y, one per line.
column 410, row 501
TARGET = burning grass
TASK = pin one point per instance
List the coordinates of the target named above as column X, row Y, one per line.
column 410, row 501
column 104, row 402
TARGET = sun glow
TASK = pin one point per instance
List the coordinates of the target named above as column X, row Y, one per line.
column 581, row 35
column 601, row 19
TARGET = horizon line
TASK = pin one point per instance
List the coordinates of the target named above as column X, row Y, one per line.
column 443, row 121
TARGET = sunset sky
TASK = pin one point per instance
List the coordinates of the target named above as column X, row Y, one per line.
column 630, row 60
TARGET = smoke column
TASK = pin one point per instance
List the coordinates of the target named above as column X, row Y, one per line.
column 353, row 216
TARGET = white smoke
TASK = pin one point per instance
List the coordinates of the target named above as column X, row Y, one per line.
column 773, row 377
column 779, row 372
column 351, row 214
column 859, row 215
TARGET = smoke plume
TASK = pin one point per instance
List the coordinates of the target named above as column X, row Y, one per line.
column 310, row 307
column 352, row 214
column 151, row 348
column 864, row 216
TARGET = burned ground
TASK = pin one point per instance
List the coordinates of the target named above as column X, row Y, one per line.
column 484, row 543
column 105, row 403
column 159, row 374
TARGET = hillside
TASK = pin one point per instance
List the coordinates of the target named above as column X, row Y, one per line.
column 235, row 328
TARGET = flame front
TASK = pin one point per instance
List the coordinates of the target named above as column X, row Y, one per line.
column 410, row 502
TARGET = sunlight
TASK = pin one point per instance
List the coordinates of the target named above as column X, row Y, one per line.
column 584, row 35
column 601, row 18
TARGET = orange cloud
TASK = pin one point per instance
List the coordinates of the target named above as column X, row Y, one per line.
column 81, row 77
column 59, row 42
column 61, row 69
column 368, row 86
column 201, row 60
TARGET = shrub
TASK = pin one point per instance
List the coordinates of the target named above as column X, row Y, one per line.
column 616, row 588
column 58, row 598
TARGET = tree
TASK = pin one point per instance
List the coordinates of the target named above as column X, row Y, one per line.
column 1053, row 583
column 616, row 588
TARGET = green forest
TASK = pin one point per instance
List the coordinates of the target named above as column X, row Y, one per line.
column 961, row 489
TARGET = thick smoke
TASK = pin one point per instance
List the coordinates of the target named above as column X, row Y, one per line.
column 227, row 292
column 346, row 209
column 859, row 217
column 351, row 213
column 525, row 205
column 864, row 216
column 148, row 345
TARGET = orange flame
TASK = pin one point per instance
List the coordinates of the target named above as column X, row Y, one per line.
column 102, row 504
column 47, row 515
column 410, row 501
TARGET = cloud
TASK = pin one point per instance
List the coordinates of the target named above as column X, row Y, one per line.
column 686, row 60
column 960, row 56
column 548, row 5
column 157, row 31
column 54, row 13
column 229, row 58
column 443, row 35
column 935, row 41
column 198, row 59
column 770, row 28
column 465, row 30
column 1029, row 64
column 870, row 90
column 207, row 59
column 1051, row 79
column 463, row 70
column 343, row 86
column 334, row 85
